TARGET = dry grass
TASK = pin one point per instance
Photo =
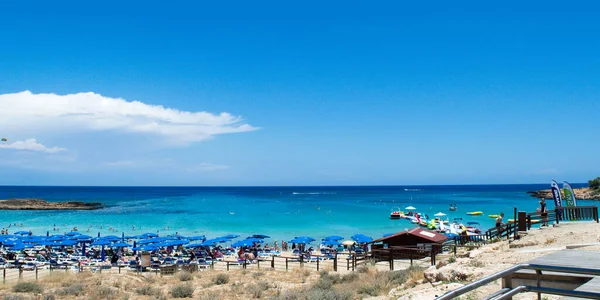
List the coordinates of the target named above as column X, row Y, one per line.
column 209, row 284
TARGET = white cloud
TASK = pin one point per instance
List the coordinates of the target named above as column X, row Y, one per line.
column 207, row 167
column 31, row 145
column 25, row 111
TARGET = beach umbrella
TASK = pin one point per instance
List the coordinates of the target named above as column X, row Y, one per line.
column 177, row 242
column 331, row 243
column 176, row 236
column 254, row 240
column 102, row 254
column 208, row 243
column 10, row 242
column 231, row 236
column 440, row 214
column 410, row 208
column 194, row 245
column 451, row 235
column 361, row 238
column 145, row 248
column 100, row 242
column 333, row 238
column 21, row 233
column 348, row 243
column 83, row 237
column 111, row 238
column 242, row 243
column 198, row 238
column 131, row 237
column 308, row 238
column 149, row 235
column 55, row 238
column 66, row 243
column 73, row 233
column 301, row 241
column 120, row 244
column 134, row 246
column 20, row 246
column 261, row 236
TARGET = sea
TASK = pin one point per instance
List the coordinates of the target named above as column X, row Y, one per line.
column 279, row 212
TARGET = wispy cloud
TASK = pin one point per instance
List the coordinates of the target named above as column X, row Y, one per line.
column 205, row 167
column 39, row 113
column 31, row 145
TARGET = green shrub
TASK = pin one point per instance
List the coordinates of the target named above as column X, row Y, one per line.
column 28, row 287
column 257, row 275
column 147, row 290
column 209, row 295
column 363, row 269
column 372, row 289
column 316, row 294
column 182, row 291
column 452, row 259
column 397, row 277
column 256, row 290
column 324, row 283
column 73, row 289
column 221, row 278
column 13, row 297
column 350, row 277
column 48, row 297
column 185, row 276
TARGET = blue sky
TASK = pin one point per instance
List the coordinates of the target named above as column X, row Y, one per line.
column 314, row 94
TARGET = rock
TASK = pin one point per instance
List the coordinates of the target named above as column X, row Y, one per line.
column 39, row 204
column 580, row 194
column 522, row 243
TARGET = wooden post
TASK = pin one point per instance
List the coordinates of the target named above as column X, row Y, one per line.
column 410, row 254
column 318, row 263
column 353, row 261
column 258, row 263
column 515, row 224
column 36, row 273
column 4, row 276
column 335, row 258
column 286, row 263
column 227, row 266
column 20, row 272
column 272, row 262
column 595, row 213
column 347, row 264
column 556, row 215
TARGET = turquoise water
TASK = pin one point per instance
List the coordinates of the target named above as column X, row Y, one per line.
column 281, row 212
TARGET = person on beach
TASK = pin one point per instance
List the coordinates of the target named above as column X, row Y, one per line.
column 499, row 222
column 544, row 212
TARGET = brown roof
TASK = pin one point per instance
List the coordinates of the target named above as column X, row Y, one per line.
column 432, row 236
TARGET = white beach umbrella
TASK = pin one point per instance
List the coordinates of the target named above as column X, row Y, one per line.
column 440, row 214
column 348, row 243
column 410, row 208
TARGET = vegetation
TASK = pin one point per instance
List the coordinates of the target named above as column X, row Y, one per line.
column 185, row 276
column 221, row 278
column 28, row 287
column 595, row 184
column 182, row 291
column 147, row 290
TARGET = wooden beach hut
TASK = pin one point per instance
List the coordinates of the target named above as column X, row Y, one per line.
column 409, row 238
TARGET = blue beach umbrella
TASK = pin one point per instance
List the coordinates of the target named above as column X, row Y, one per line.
column 119, row 245
column 146, row 248
column 331, row 243
column 177, row 242
column 231, row 236
column 194, row 245
column 308, row 238
column 254, row 240
column 242, row 243
column 388, row 234
column 20, row 246
column 333, row 238
column 261, row 236
column 73, row 233
column 361, row 238
column 208, row 243
column 83, row 237
column 22, row 233
column 56, row 237
column 100, row 242
column 111, row 238
column 102, row 254
column 66, row 243
column 197, row 238
column 301, row 240
column 149, row 235
column 10, row 242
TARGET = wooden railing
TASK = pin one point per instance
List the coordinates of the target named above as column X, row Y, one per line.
column 507, row 230
column 561, row 214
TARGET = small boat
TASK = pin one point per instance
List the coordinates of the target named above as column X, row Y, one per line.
column 452, row 207
column 475, row 213
column 396, row 214
column 493, row 216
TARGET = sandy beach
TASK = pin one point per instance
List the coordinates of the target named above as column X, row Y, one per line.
column 370, row 281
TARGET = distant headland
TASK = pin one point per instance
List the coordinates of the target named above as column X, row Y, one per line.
column 585, row 193
column 39, row 204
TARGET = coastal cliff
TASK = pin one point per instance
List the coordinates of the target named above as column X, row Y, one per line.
column 580, row 194
column 39, row 204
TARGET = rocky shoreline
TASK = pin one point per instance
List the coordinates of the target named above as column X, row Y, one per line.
column 580, row 194
column 39, row 204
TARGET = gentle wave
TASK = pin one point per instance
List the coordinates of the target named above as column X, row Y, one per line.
column 412, row 190
column 314, row 193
